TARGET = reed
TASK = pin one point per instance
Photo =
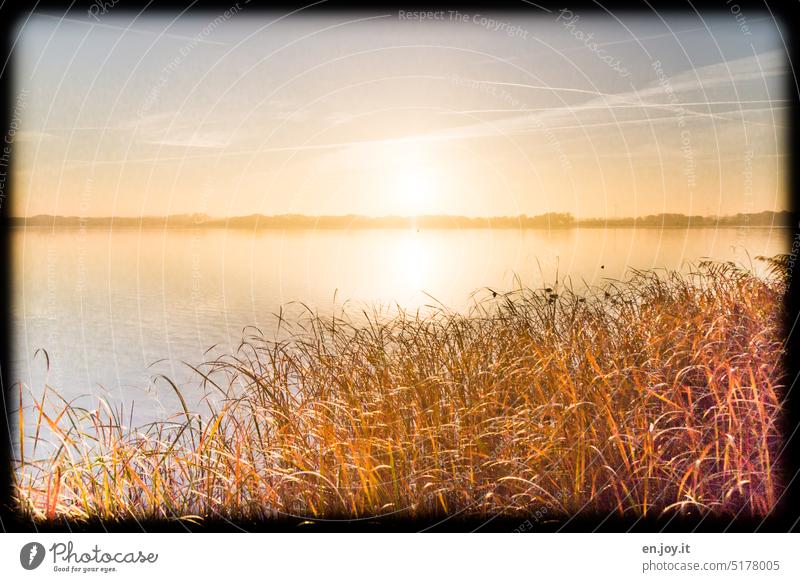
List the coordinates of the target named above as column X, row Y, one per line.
column 660, row 393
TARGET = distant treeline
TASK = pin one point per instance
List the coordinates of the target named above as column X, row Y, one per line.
column 301, row 221
column 765, row 218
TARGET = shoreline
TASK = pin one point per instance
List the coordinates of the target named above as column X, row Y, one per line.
column 435, row 228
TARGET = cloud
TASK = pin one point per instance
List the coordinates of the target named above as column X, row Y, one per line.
column 738, row 77
column 163, row 34
column 635, row 114
column 192, row 141
column 292, row 116
column 34, row 136
column 731, row 93
column 160, row 129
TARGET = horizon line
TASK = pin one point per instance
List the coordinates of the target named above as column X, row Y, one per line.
column 563, row 215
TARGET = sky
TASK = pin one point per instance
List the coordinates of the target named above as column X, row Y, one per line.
column 379, row 113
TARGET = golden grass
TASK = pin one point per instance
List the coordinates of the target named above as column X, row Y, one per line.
column 658, row 394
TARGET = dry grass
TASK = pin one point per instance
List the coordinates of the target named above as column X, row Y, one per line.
column 657, row 394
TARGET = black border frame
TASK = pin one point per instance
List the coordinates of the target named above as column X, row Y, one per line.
column 786, row 516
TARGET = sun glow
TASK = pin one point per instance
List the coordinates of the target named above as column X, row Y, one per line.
column 415, row 185
column 415, row 192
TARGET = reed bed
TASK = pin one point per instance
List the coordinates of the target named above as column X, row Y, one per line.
column 658, row 394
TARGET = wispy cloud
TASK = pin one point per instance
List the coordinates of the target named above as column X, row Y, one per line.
column 131, row 30
column 691, row 86
column 599, row 112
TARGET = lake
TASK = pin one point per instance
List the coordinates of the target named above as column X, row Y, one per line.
column 107, row 304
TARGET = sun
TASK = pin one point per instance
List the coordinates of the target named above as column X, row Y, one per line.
column 415, row 191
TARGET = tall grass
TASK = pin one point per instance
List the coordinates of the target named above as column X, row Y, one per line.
column 658, row 394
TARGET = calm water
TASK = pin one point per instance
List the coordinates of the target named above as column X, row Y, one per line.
column 107, row 304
